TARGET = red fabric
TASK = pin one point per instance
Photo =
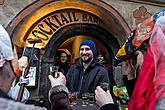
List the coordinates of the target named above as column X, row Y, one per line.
column 144, row 97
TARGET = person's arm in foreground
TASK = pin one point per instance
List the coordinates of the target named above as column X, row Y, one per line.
column 58, row 94
column 104, row 99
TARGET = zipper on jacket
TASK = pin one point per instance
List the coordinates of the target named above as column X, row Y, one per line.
column 80, row 85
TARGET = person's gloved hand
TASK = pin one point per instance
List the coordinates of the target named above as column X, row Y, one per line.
column 103, row 97
column 61, row 80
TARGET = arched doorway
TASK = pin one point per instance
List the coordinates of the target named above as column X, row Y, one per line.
column 38, row 15
column 106, row 38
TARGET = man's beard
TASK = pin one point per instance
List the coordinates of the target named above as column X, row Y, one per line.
column 87, row 61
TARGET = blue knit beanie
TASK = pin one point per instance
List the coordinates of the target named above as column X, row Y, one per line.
column 91, row 44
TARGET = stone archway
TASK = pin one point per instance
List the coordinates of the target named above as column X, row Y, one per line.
column 24, row 22
column 92, row 30
column 97, row 32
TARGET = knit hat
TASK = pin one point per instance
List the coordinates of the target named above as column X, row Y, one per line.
column 91, row 44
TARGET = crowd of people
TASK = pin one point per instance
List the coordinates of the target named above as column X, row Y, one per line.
column 144, row 76
column 58, row 94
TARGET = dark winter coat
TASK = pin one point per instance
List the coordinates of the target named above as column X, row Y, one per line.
column 63, row 67
column 80, row 81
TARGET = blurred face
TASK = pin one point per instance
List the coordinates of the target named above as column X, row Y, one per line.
column 86, row 53
column 63, row 57
column 7, row 78
column 100, row 57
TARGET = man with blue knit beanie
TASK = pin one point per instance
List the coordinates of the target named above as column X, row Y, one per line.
column 86, row 74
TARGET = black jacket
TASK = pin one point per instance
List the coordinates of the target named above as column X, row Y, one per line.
column 87, row 81
column 63, row 67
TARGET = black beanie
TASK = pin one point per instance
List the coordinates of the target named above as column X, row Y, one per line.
column 91, row 44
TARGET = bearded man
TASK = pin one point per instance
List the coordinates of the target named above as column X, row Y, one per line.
column 86, row 74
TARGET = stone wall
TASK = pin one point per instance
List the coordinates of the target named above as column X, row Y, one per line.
column 10, row 8
column 126, row 9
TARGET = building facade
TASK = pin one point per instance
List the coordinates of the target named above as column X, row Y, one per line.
column 65, row 23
